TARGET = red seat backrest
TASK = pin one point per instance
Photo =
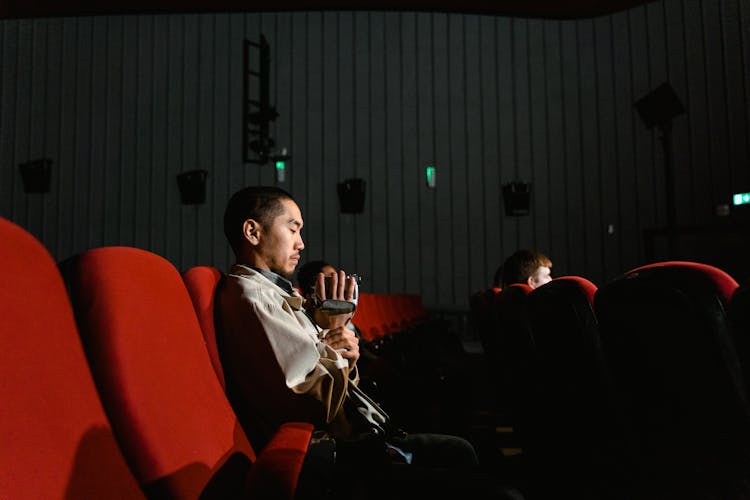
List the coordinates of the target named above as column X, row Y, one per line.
column 201, row 283
column 167, row 407
column 375, row 325
column 56, row 439
column 724, row 283
column 667, row 342
column 365, row 318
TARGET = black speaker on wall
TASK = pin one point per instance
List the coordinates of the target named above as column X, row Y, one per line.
column 36, row 175
column 192, row 187
column 517, row 198
column 659, row 106
column 352, row 196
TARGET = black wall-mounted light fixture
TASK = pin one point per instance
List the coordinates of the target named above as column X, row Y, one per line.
column 192, row 186
column 36, row 175
column 659, row 106
column 352, row 196
column 657, row 109
column 517, row 198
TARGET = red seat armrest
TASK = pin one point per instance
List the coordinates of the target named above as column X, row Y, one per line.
column 276, row 472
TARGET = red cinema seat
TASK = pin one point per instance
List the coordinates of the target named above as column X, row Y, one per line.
column 739, row 314
column 395, row 307
column 167, row 408
column 201, row 283
column 375, row 314
column 573, row 427
column 677, row 379
column 511, row 354
column 415, row 308
column 480, row 313
column 56, row 440
column 366, row 318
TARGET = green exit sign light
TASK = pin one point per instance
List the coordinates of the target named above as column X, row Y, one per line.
column 430, row 174
column 741, row 198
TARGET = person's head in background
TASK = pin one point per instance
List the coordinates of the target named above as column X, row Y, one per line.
column 309, row 271
column 526, row 266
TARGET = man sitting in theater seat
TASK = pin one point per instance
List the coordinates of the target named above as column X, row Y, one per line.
column 526, row 266
column 282, row 366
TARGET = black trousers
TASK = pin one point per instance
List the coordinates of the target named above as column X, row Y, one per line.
column 363, row 469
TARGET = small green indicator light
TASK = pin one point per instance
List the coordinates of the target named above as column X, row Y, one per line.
column 280, row 170
column 430, row 174
column 741, row 198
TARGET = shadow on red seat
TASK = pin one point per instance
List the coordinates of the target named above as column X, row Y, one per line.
column 201, row 283
column 167, row 408
column 57, row 441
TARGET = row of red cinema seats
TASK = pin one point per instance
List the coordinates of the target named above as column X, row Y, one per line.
column 107, row 390
column 636, row 389
column 380, row 315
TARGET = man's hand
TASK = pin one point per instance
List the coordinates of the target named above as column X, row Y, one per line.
column 345, row 342
column 336, row 287
column 339, row 288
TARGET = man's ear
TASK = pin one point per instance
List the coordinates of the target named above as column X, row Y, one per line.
column 251, row 230
column 530, row 281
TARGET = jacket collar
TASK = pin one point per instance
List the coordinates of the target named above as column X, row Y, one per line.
column 290, row 294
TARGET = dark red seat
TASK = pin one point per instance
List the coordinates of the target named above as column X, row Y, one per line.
column 510, row 353
column 573, row 426
column 677, row 379
column 739, row 314
column 481, row 316
column 167, row 408
column 367, row 318
column 56, row 439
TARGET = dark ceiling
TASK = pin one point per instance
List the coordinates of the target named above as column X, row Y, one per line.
column 550, row 9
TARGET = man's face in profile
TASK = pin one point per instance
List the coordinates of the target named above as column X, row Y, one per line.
column 280, row 242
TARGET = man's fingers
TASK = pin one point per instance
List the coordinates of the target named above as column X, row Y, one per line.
column 340, row 284
column 351, row 285
column 320, row 286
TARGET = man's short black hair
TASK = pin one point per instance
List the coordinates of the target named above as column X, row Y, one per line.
column 307, row 273
column 260, row 203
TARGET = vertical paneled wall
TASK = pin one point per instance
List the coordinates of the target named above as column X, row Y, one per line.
column 124, row 104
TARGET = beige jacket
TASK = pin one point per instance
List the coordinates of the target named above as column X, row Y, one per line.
column 276, row 367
